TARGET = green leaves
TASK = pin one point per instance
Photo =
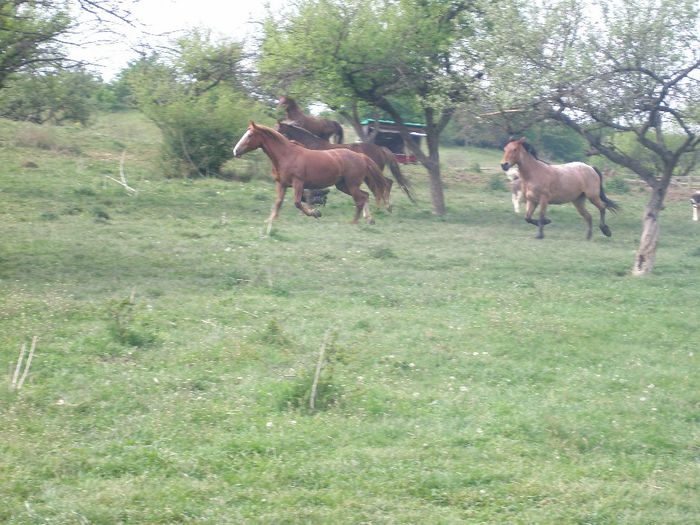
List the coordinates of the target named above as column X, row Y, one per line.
column 196, row 98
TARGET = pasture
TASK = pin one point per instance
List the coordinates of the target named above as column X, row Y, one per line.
column 473, row 374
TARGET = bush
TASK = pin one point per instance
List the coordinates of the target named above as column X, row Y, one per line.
column 54, row 97
column 496, row 183
column 197, row 100
column 200, row 132
column 616, row 185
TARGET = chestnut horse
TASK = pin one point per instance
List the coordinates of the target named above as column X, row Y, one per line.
column 320, row 127
column 294, row 165
column 380, row 155
column 557, row 184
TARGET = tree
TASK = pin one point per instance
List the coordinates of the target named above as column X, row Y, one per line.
column 366, row 54
column 34, row 33
column 195, row 97
column 634, row 74
column 53, row 96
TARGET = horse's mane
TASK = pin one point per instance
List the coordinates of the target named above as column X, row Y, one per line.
column 531, row 150
column 273, row 134
column 299, row 133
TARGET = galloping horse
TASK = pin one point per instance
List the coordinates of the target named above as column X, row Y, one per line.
column 380, row 155
column 298, row 167
column 556, row 184
column 320, row 127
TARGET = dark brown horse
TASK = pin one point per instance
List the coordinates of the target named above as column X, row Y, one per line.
column 380, row 155
column 297, row 167
column 320, row 127
column 546, row 184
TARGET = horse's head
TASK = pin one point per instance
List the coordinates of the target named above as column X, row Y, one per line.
column 284, row 102
column 511, row 153
column 251, row 139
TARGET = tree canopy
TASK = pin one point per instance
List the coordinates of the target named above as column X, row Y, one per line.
column 633, row 72
column 379, row 55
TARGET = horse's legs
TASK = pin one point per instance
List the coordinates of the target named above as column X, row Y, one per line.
column 360, row 197
column 543, row 219
column 361, row 205
column 598, row 203
column 281, row 190
column 389, row 206
column 298, row 186
column 529, row 210
column 580, row 204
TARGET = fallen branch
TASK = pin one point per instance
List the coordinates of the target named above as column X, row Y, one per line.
column 17, row 385
column 122, row 177
column 319, row 367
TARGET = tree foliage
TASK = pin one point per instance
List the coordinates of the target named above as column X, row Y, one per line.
column 35, row 34
column 195, row 97
column 29, row 33
column 362, row 55
column 634, row 71
column 55, row 96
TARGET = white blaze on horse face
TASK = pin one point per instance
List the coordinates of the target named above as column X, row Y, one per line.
column 240, row 143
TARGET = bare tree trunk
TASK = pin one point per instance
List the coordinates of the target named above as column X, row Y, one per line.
column 355, row 121
column 646, row 254
column 437, row 193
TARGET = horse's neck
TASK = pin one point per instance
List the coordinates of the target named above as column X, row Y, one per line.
column 293, row 111
column 276, row 150
column 528, row 165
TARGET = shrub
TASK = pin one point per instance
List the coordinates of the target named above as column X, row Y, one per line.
column 53, row 97
column 496, row 183
column 616, row 185
column 196, row 99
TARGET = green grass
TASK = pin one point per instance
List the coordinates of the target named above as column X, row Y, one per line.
column 476, row 375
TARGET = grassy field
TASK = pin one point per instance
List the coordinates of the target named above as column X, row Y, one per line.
column 472, row 373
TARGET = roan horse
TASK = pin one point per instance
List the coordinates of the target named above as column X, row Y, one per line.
column 297, row 167
column 380, row 155
column 320, row 127
column 557, row 184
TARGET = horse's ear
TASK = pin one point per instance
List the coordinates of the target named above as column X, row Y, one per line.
column 521, row 140
column 252, row 125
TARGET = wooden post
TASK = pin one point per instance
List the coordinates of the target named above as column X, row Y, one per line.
column 319, row 367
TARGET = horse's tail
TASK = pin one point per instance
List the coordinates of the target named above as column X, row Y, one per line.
column 378, row 184
column 609, row 203
column 338, row 132
column 390, row 159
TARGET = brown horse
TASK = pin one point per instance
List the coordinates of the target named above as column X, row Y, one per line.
column 320, row 127
column 380, row 155
column 298, row 167
column 557, row 184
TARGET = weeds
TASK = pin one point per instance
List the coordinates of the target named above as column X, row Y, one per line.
column 314, row 387
column 496, row 183
column 617, row 185
column 125, row 325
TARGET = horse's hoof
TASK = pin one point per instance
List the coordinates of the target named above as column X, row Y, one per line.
column 606, row 230
column 539, row 236
column 315, row 214
column 546, row 222
column 370, row 221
